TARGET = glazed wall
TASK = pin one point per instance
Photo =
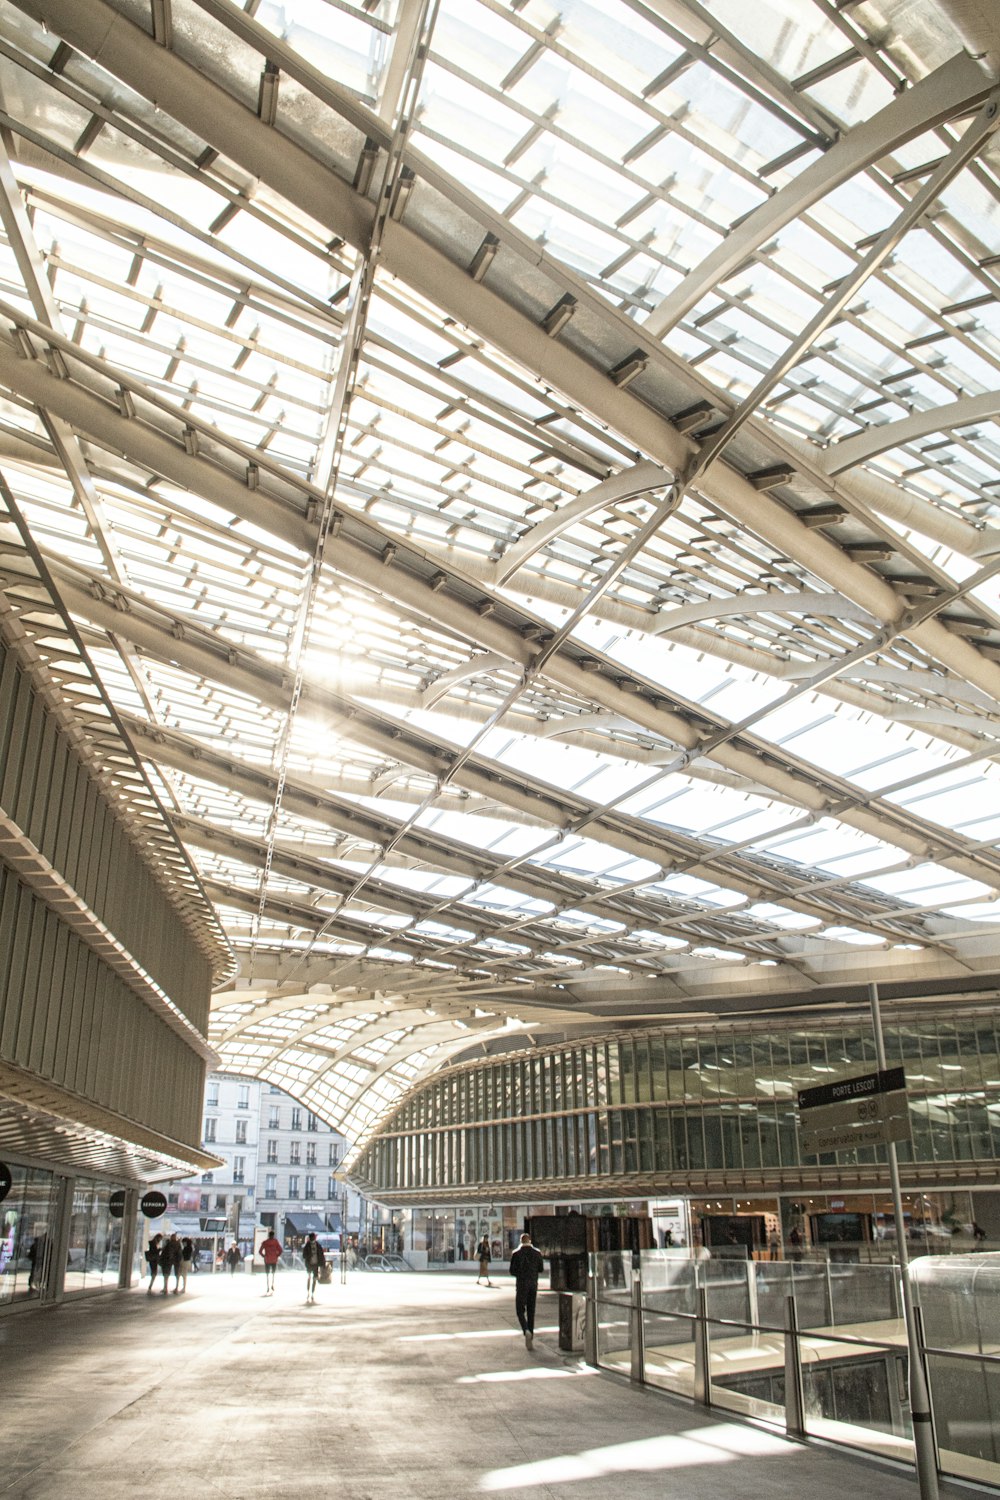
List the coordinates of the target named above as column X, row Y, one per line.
column 700, row 1109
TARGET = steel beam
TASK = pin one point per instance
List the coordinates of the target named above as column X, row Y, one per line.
column 182, row 642
column 421, row 846
column 951, row 90
column 776, row 603
column 107, row 425
column 880, row 438
column 978, row 24
column 211, row 112
column 628, row 484
column 490, row 661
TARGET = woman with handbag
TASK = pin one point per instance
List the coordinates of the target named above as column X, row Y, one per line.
column 483, row 1252
column 315, row 1264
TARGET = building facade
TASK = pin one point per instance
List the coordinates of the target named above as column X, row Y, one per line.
column 705, row 1116
column 108, row 953
column 279, row 1169
column 220, row 1204
column 299, row 1186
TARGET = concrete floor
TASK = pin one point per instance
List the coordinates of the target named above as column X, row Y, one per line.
column 394, row 1387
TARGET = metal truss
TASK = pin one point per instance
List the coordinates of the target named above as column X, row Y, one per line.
column 401, row 595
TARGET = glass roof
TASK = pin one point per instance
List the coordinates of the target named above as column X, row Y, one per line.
column 526, row 475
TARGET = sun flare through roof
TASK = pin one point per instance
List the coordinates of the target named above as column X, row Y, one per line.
column 526, row 475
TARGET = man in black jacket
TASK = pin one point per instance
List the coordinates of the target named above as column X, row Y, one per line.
column 526, row 1265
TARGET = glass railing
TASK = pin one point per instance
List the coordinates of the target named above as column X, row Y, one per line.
column 960, row 1312
column 814, row 1346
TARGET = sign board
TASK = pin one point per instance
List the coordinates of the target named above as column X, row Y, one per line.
column 865, row 1111
column 153, row 1205
column 6, row 1180
column 116, row 1204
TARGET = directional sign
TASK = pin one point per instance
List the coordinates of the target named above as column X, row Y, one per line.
column 865, row 1111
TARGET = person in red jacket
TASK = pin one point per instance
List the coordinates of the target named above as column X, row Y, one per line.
column 271, row 1250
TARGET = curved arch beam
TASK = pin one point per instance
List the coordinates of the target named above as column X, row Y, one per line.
column 956, row 86
column 762, row 604
column 880, row 438
column 930, row 682
column 489, row 661
column 249, row 1030
column 414, row 1023
column 299, row 175
column 625, row 485
column 936, row 716
column 602, row 723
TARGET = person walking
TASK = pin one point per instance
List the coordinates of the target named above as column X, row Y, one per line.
column 314, row 1260
column 153, row 1260
column 483, row 1252
column 526, row 1265
column 187, row 1261
column 271, row 1251
column 233, row 1258
column 170, row 1260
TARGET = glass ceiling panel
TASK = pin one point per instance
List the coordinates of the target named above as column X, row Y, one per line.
column 332, row 545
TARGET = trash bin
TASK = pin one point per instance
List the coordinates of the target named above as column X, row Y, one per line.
column 572, row 1321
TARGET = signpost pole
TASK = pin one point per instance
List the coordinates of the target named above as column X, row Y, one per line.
column 925, row 1457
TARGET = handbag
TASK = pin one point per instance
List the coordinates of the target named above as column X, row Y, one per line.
column 325, row 1275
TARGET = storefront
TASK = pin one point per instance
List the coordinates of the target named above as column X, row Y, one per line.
column 837, row 1226
column 63, row 1235
column 28, row 1222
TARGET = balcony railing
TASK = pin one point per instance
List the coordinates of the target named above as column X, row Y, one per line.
column 817, row 1347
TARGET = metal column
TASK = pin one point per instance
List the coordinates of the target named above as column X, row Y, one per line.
column 795, row 1405
column 702, row 1352
column 924, row 1446
column 637, row 1369
column 590, row 1332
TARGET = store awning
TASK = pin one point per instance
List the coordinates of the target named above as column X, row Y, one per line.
column 304, row 1224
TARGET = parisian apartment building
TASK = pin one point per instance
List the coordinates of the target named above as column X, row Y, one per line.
column 279, row 1168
